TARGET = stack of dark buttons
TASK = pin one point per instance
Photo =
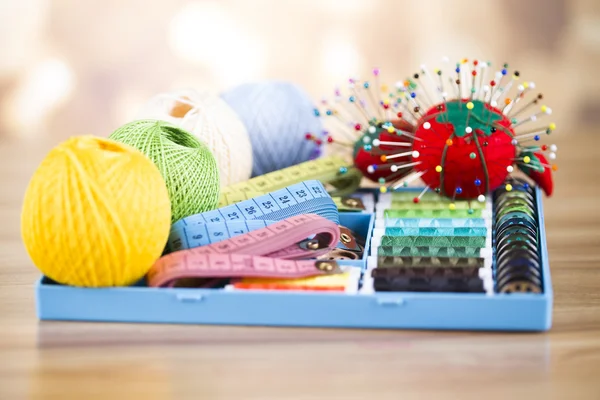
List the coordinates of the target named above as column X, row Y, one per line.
column 518, row 266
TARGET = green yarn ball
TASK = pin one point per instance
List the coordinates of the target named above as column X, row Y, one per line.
column 186, row 164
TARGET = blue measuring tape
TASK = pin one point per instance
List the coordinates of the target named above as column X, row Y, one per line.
column 198, row 235
column 308, row 197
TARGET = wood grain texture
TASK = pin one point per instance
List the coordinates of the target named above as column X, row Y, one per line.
column 57, row 360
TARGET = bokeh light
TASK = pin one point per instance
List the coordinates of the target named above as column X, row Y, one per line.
column 340, row 57
column 205, row 34
column 44, row 88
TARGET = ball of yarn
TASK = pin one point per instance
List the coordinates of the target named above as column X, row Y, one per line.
column 96, row 213
column 211, row 120
column 278, row 116
column 186, row 164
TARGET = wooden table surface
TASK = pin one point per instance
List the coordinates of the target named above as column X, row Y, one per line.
column 107, row 361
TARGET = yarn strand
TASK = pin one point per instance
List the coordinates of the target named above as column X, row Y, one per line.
column 96, row 213
column 277, row 116
column 186, row 164
column 208, row 118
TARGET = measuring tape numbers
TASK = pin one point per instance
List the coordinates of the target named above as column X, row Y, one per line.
column 309, row 197
column 196, row 235
column 278, row 250
column 340, row 178
column 301, row 198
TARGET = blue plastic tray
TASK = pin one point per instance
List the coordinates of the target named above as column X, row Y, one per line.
column 399, row 310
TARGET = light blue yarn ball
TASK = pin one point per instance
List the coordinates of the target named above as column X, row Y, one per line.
column 277, row 115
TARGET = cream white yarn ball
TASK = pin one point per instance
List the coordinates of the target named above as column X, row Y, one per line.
column 210, row 119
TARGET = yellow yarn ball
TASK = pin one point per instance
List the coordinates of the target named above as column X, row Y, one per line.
column 96, row 213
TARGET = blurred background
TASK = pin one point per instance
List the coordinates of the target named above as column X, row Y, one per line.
column 85, row 67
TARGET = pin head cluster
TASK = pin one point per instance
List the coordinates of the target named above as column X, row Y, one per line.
column 457, row 129
column 465, row 148
column 376, row 141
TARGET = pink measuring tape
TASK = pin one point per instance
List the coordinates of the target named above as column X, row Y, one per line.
column 280, row 250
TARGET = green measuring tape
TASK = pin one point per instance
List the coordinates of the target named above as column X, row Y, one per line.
column 339, row 178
